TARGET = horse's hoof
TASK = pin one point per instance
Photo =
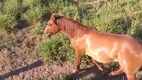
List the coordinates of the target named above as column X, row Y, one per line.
column 109, row 75
column 100, row 69
column 75, row 71
column 105, row 73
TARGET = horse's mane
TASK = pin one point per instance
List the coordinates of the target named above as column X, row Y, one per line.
column 72, row 27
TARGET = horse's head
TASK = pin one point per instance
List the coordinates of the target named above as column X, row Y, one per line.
column 52, row 26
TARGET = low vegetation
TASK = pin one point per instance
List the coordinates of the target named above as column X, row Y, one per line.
column 58, row 49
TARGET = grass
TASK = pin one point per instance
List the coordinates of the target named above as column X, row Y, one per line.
column 11, row 43
column 58, row 49
column 8, row 14
column 14, row 11
column 34, row 13
column 113, row 17
column 63, row 77
column 7, row 22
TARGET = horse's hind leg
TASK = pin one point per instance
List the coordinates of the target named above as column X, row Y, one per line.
column 96, row 64
column 117, row 72
column 131, row 76
column 130, row 70
column 130, row 67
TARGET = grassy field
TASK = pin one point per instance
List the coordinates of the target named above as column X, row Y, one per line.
column 112, row 16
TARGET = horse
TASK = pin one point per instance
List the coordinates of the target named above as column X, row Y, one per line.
column 100, row 46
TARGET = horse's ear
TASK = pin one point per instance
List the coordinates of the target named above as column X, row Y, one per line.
column 54, row 16
column 52, row 11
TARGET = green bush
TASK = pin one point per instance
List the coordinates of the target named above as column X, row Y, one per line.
column 1, row 6
column 12, row 11
column 34, row 13
column 113, row 17
column 9, row 11
column 8, row 22
column 137, row 26
column 58, row 49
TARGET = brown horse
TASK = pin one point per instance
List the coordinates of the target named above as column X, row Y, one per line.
column 102, row 47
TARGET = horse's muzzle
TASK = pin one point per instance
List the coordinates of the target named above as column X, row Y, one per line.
column 48, row 35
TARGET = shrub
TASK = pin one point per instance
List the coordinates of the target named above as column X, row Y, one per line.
column 11, row 7
column 58, row 49
column 137, row 26
column 34, row 13
column 8, row 14
column 8, row 22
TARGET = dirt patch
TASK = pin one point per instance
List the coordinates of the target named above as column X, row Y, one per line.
column 37, row 70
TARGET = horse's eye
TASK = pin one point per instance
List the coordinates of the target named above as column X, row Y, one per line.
column 49, row 24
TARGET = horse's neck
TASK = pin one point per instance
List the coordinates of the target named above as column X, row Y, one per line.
column 74, row 34
column 72, row 28
column 68, row 34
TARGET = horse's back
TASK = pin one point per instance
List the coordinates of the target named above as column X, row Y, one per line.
column 111, row 45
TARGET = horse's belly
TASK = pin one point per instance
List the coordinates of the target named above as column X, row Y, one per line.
column 100, row 56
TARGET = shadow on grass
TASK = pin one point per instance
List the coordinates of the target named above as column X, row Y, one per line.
column 138, row 33
column 18, row 71
column 22, row 24
column 86, row 71
column 95, row 75
column 46, row 16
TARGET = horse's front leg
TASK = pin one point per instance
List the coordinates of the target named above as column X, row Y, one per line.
column 79, row 55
